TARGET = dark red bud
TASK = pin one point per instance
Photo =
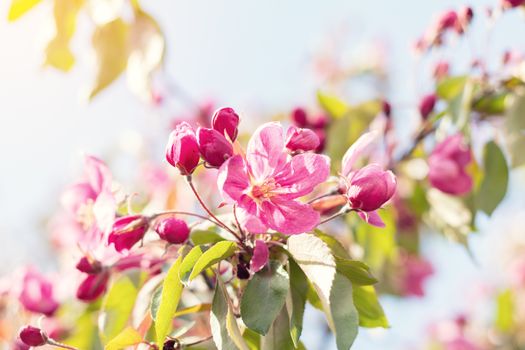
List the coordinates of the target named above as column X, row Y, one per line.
column 173, row 230
column 89, row 265
column 299, row 117
column 426, row 105
column 93, row 287
column 33, row 336
column 213, row 146
column 226, row 122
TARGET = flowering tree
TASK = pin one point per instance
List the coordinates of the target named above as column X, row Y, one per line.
column 323, row 208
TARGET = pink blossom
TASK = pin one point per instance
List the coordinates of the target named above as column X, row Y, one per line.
column 266, row 183
column 173, row 230
column 182, row 150
column 260, row 256
column 213, row 146
column 91, row 201
column 416, row 270
column 89, row 265
column 447, row 166
column 226, row 122
column 441, row 70
column 367, row 188
column 127, row 231
column 301, row 140
column 37, row 293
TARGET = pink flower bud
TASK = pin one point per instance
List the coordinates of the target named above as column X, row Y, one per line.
column 32, row 336
column 370, row 187
column 298, row 139
column 426, row 105
column 447, row 20
column 447, row 166
column 465, row 15
column 89, row 265
column 173, row 230
column 386, row 108
column 127, row 231
column 320, row 121
column 506, row 4
column 441, row 70
column 214, row 147
column 182, row 150
column 321, row 134
column 226, row 122
column 93, row 286
column 37, row 294
column 299, row 117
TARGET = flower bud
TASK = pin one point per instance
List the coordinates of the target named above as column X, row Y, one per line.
column 89, row 265
column 299, row 117
column 127, row 231
column 370, row 187
column 320, row 121
column 386, row 108
column 447, row 166
column 37, row 293
column 173, row 230
column 226, row 122
column 465, row 15
column 298, row 139
column 182, row 150
column 506, row 4
column 33, row 336
column 214, row 147
column 93, row 286
column 426, row 105
column 321, row 134
column 441, row 70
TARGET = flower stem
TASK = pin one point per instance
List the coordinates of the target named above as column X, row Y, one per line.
column 341, row 212
column 176, row 212
column 203, row 205
column 60, row 345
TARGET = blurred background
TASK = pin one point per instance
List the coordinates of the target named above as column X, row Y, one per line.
column 262, row 58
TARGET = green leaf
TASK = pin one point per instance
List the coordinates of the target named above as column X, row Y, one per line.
column 378, row 243
column 334, row 290
column 371, row 313
column 356, row 271
column 278, row 336
column 189, row 262
column 450, row 88
column 205, row 236
column 344, row 314
column 515, row 129
column 491, row 104
column 335, row 246
column 124, row 339
column 169, row 300
column 505, row 311
column 19, row 7
column 219, row 251
column 253, row 340
column 332, row 104
column 118, row 304
column 224, row 327
column 297, row 301
column 155, row 302
column 264, row 297
column 495, row 180
column 85, row 332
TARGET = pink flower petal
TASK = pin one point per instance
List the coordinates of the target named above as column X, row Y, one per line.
column 360, row 148
column 232, row 179
column 260, row 256
column 265, row 152
column 97, row 173
column 303, row 173
column 251, row 223
column 288, row 216
column 372, row 218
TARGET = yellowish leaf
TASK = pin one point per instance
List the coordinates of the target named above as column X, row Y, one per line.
column 127, row 337
column 58, row 53
column 146, row 53
column 20, row 7
column 193, row 309
column 110, row 43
